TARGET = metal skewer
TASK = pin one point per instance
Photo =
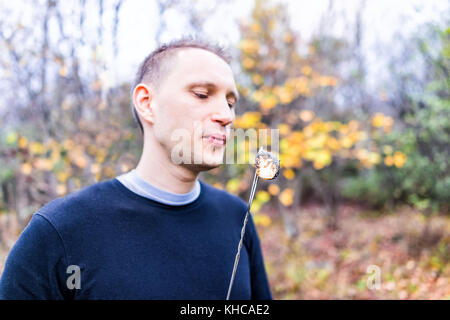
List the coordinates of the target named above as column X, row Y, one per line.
column 261, row 154
column 236, row 260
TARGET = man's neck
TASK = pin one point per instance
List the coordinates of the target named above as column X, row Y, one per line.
column 157, row 169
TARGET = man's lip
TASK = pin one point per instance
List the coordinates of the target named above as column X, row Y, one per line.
column 217, row 136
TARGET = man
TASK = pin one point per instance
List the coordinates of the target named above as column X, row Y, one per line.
column 156, row 232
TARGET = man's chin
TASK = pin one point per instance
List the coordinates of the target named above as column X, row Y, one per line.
column 208, row 161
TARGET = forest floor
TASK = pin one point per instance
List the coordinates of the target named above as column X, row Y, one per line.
column 371, row 255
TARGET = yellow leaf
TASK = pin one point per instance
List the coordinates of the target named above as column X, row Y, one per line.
column 284, row 128
column 92, row 150
column 23, row 142
column 11, row 138
column 322, row 159
column 274, row 189
column 346, row 142
column 26, row 168
column 269, row 102
column 374, row 158
column 249, row 46
column 389, row 161
column 55, row 156
column 101, row 155
column 61, row 189
column 256, row 206
column 95, row 168
column 37, row 148
column 300, row 85
column 109, row 172
column 296, row 137
column 62, row 176
column 80, row 160
column 289, row 161
column 306, row 70
column 287, row 37
column 68, row 144
column 310, row 154
column 399, row 159
column 333, row 144
column 286, row 197
column 258, row 95
column 257, row 79
column 124, row 168
column 43, row 164
column 233, row 185
column 327, row 81
column 263, row 196
column 218, row 185
column 262, row 220
column 344, row 129
column 306, row 115
column 362, row 154
column 248, row 120
column 388, row 121
column 289, row 174
column 317, row 141
column 285, row 95
column 328, row 126
column 248, row 63
column 63, row 71
column 284, row 145
column 255, row 27
column 378, row 120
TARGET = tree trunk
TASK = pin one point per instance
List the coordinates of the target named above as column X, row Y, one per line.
column 289, row 216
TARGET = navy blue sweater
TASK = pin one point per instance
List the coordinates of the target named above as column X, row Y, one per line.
column 130, row 247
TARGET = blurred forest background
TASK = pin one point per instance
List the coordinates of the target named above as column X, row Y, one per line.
column 364, row 131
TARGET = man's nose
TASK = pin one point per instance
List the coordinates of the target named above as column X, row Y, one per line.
column 223, row 114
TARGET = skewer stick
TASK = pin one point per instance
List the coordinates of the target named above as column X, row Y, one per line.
column 238, row 254
column 268, row 167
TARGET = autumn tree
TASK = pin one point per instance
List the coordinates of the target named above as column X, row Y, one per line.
column 283, row 78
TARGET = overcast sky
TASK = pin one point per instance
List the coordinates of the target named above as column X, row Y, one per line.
column 139, row 19
column 382, row 19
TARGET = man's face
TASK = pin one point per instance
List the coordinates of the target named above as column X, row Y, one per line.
column 194, row 108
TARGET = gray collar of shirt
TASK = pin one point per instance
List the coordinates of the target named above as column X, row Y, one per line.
column 133, row 181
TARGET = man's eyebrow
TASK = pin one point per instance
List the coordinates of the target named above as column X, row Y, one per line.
column 213, row 86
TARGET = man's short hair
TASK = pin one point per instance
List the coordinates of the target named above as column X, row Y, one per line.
column 154, row 66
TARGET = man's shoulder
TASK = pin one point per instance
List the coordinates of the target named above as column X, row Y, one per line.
column 222, row 197
column 226, row 202
column 78, row 203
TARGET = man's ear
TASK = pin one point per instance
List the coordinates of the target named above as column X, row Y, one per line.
column 142, row 100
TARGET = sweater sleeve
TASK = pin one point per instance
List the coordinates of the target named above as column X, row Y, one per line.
column 35, row 267
column 259, row 282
